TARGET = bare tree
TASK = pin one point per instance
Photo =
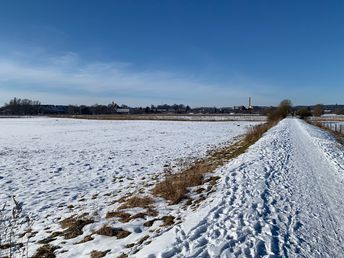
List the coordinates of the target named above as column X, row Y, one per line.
column 318, row 110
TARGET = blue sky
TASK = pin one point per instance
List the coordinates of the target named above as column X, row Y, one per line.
column 213, row 53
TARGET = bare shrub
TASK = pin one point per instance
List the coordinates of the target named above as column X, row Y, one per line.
column 14, row 225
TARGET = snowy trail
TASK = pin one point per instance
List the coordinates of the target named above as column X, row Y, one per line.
column 283, row 198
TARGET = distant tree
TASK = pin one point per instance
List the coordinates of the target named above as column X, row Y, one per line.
column 282, row 111
column 85, row 110
column 339, row 111
column 304, row 112
column 318, row 110
column 285, row 108
column 147, row 110
column 18, row 106
column 73, row 110
column 99, row 109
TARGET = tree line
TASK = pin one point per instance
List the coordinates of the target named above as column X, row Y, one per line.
column 17, row 106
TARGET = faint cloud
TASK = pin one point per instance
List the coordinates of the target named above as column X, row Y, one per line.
column 67, row 74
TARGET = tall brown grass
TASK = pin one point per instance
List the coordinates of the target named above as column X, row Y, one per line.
column 174, row 187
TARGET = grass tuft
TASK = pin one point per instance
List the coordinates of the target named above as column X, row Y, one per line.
column 45, row 251
column 98, row 254
column 74, row 226
column 110, row 231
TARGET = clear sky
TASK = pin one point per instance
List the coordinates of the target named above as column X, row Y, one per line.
column 213, row 53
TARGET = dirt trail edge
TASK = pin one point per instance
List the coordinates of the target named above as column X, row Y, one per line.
column 282, row 198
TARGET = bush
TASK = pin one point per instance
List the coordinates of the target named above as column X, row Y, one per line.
column 304, row 113
column 282, row 111
column 318, row 110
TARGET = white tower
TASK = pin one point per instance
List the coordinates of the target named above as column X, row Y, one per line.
column 249, row 103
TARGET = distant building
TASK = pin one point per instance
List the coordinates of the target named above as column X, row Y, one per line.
column 123, row 110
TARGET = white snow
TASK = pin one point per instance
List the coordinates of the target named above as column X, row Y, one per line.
column 282, row 198
column 50, row 164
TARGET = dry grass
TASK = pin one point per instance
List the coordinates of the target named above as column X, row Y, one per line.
column 73, row 226
column 98, row 254
column 110, row 231
column 122, row 216
column 140, row 242
column 137, row 201
column 86, row 239
column 174, row 187
column 45, row 251
column 167, row 220
column 256, row 132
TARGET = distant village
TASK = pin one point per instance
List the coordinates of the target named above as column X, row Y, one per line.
column 28, row 107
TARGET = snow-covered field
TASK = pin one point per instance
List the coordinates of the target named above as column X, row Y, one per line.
column 282, row 198
column 61, row 167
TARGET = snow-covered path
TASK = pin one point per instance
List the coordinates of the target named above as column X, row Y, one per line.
column 283, row 198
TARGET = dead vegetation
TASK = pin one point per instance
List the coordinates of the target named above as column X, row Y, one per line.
column 86, row 239
column 45, row 251
column 73, row 226
column 98, row 254
column 168, row 220
column 123, row 217
column 145, row 202
column 174, row 187
column 110, row 231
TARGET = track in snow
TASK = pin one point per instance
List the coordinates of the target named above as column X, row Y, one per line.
column 283, row 198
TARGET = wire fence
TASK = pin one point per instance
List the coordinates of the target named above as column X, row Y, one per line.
column 334, row 126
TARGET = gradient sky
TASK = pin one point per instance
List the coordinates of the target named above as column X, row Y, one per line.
column 213, row 53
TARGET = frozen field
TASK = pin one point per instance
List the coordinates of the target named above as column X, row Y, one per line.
column 61, row 167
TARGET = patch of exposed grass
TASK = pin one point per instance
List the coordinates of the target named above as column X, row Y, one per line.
column 122, row 216
column 45, row 251
column 149, row 223
column 167, row 220
column 86, row 239
column 98, row 254
column 122, row 256
column 137, row 201
column 110, row 231
column 73, row 226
